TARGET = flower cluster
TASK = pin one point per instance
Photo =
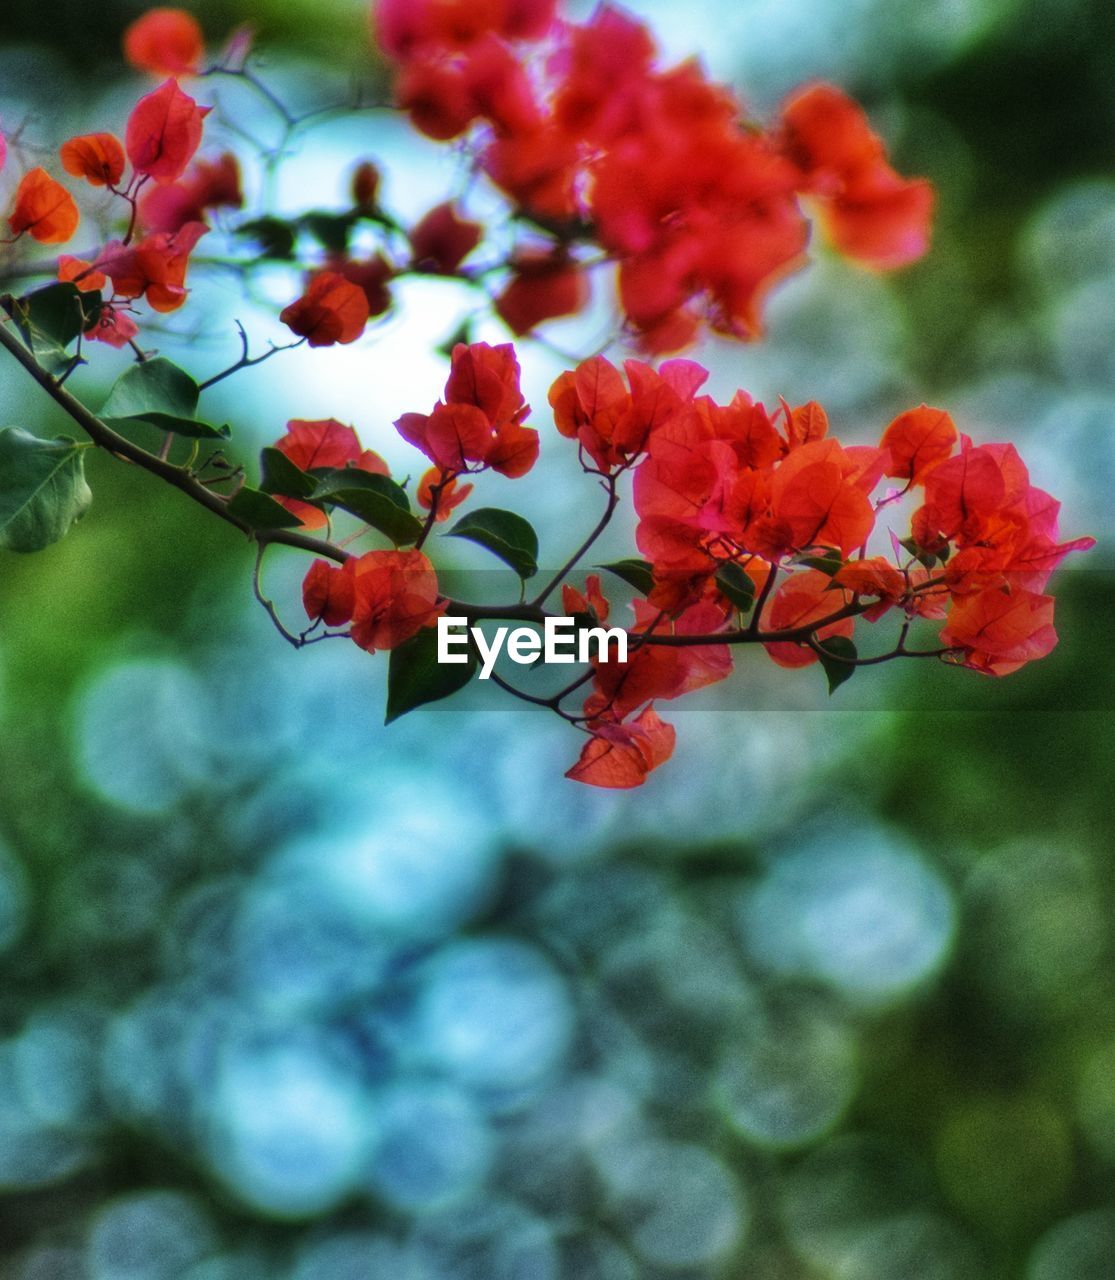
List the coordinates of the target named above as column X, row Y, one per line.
column 741, row 512
column 593, row 141
column 754, row 526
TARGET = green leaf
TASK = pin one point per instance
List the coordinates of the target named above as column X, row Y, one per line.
column 190, row 427
column 377, row 500
column 636, row 573
column 280, row 475
column 152, row 387
column 274, row 237
column 734, row 583
column 927, row 558
column 261, row 511
column 160, row 394
column 42, row 489
column 504, row 534
column 60, row 311
column 49, row 319
column 829, row 562
column 838, row 666
column 330, row 230
column 415, row 677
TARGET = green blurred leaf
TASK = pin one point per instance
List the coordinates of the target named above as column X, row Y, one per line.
column 636, row 573
column 377, row 500
column 280, row 475
column 330, row 230
column 261, row 511
column 415, row 677
column 42, row 489
column 736, row 585
column 274, row 237
column 504, row 534
column 837, row 659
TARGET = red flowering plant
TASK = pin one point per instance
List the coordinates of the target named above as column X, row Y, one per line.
column 618, row 178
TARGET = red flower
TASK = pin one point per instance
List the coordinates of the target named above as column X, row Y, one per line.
column 661, row 671
column 155, row 268
column 113, row 326
column 804, row 598
column 543, row 284
column 328, row 594
column 44, row 209
column 450, row 494
column 331, row 310
column 917, row 441
column 166, row 42
column 163, row 132
column 80, row 273
column 612, row 423
column 442, row 240
column 479, row 423
column 210, row 184
column 1000, row 629
column 372, row 275
column 396, row 595
column 870, row 213
column 621, row 755
column 97, row 157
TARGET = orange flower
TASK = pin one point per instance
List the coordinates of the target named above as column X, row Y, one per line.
column 918, row 440
column 450, row 497
column 1000, row 629
column 44, row 209
column 328, row 594
column 163, row 132
column 96, row 157
column 804, row 598
column 396, row 595
column 331, row 310
column 166, row 42
column 620, row 756
column 80, row 273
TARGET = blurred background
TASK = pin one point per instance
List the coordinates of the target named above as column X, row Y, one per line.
column 285, row 994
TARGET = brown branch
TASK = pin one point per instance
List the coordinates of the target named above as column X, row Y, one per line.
column 180, row 478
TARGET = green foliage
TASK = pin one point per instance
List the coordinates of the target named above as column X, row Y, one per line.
column 504, row 534
column 636, row 573
column 162, row 395
column 837, row 657
column 42, row 489
column 51, row 318
column 415, row 677
column 261, row 511
column 377, row 500
column 733, row 583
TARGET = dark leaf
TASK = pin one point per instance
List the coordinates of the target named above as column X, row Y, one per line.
column 504, row 534
column 837, row 659
column 733, row 583
column 415, row 677
column 636, row 573
column 260, row 511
